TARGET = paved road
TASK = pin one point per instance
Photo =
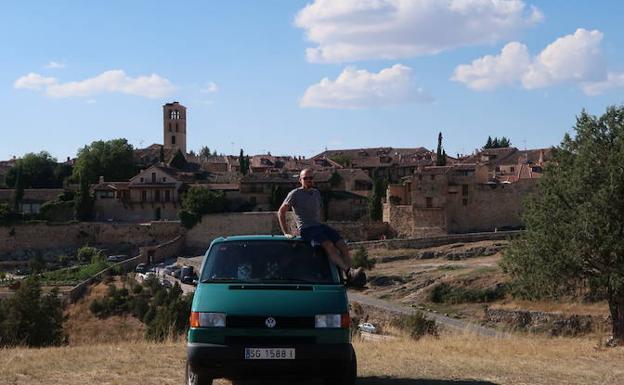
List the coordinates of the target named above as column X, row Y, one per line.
column 446, row 321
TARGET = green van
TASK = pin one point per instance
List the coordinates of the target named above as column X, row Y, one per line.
column 269, row 306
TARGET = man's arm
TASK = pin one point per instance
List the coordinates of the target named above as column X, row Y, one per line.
column 281, row 217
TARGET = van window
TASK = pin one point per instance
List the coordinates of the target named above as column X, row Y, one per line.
column 267, row 261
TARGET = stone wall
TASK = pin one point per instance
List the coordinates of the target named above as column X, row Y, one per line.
column 407, row 221
column 261, row 223
column 421, row 243
column 118, row 211
column 17, row 241
column 555, row 324
column 488, row 207
column 166, row 250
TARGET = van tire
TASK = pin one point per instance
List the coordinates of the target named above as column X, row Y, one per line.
column 193, row 378
column 349, row 375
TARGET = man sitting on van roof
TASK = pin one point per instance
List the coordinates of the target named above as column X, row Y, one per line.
column 306, row 204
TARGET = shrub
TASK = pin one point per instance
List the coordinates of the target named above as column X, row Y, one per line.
column 361, row 259
column 445, row 293
column 86, row 253
column 416, row 325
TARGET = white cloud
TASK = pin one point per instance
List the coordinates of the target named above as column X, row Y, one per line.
column 90, row 101
column 210, row 88
column 152, row 86
column 614, row 80
column 33, row 81
column 55, row 65
column 575, row 59
column 355, row 88
column 350, row 30
column 490, row 72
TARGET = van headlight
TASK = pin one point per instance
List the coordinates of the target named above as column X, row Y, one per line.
column 207, row 320
column 332, row 321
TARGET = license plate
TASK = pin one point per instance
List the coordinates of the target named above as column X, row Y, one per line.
column 269, row 354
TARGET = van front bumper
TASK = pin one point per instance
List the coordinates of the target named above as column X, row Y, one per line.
column 228, row 361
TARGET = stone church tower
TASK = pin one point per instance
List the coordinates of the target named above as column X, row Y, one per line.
column 174, row 126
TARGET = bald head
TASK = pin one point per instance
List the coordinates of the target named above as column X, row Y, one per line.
column 306, row 178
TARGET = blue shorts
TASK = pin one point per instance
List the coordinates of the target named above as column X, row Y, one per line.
column 316, row 235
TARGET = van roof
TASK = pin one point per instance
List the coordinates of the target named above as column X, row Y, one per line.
column 256, row 238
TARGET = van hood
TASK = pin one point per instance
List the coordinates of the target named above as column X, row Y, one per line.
column 275, row 300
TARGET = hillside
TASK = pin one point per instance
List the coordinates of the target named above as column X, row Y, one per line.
column 83, row 328
column 408, row 277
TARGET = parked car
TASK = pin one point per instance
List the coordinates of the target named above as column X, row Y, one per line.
column 117, row 258
column 141, row 268
column 268, row 305
column 367, row 327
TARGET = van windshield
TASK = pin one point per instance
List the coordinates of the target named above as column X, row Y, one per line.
column 267, row 261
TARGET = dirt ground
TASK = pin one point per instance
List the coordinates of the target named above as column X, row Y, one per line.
column 409, row 281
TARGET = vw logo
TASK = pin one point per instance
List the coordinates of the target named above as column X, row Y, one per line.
column 270, row 322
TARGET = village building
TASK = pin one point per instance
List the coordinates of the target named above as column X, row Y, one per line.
column 153, row 194
column 32, row 200
column 485, row 195
column 387, row 163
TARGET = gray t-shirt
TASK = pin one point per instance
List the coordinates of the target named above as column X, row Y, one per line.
column 307, row 206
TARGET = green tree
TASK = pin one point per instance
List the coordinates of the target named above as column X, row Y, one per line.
column 30, row 318
column 335, row 179
column 278, row 194
column 242, row 162
column 198, row 201
column 204, row 152
column 375, row 206
column 440, row 153
column 178, row 161
column 497, row 143
column 18, row 192
column 83, row 207
column 574, row 226
column 361, row 259
column 112, row 159
column 37, row 171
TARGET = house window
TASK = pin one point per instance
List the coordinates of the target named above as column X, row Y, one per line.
column 512, row 169
column 169, row 126
column 164, row 178
column 141, row 180
column 465, row 202
column 167, row 195
column 464, row 189
column 174, row 115
column 429, row 202
column 153, row 177
column 172, row 139
column 176, row 127
column 143, row 196
column 157, row 195
column 432, row 177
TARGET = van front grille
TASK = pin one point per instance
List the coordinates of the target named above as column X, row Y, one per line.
column 268, row 341
column 261, row 322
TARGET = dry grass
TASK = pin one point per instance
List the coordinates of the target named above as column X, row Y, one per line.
column 450, row 360
column 83, row 328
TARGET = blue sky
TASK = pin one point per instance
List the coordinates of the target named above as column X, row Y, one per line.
column 296, row 77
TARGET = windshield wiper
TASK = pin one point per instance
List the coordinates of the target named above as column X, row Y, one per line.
column 221, row 279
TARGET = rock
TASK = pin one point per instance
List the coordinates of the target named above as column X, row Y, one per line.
column 427, row 255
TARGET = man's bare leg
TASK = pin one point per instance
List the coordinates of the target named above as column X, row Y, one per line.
column 334, row 254
column 344, row 252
